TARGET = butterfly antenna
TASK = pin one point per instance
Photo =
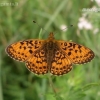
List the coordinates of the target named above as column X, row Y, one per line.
column 39, row 26
column 64, row 29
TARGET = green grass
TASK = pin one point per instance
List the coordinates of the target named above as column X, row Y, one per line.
column 16, row 23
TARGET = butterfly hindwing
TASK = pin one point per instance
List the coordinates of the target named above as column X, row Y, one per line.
column 60, row 63
column 37, row 63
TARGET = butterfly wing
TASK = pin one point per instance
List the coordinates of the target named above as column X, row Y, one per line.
column 60, row 63
column 37, row 63
column 22, row 50
column 77, row 54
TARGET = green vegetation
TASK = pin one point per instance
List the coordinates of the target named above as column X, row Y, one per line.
column 16, row 23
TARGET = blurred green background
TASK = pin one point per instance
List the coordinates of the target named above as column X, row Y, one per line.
column 16, row 16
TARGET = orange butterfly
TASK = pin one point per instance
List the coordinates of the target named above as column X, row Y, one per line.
column 50, row 55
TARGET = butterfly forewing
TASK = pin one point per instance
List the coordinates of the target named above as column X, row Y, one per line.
column 22, row 50
column 78, row 54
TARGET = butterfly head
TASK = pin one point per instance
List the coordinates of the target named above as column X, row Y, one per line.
column 51, row 36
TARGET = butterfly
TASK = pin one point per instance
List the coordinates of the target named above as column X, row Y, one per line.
column 50, row 55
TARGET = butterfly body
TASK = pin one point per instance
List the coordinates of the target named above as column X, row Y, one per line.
column 50, row 55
